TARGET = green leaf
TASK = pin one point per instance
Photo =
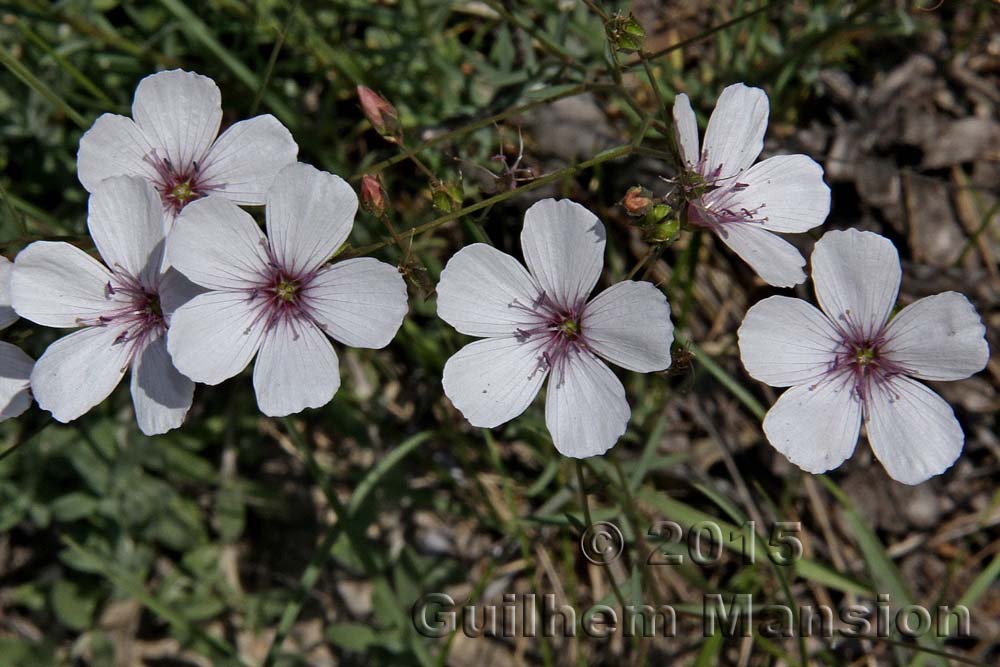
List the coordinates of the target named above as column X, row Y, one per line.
column 352, row 636
column 73, row 506
column 73, row 605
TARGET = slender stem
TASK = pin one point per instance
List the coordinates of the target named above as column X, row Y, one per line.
column 590, row 524
column 471, row 127
column 606, row 156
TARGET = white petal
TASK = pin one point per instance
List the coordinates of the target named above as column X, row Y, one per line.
column 179, row 112
column 243, row 161
column 912, row 430
column 15, row 377
column 563, row 246
column 485, row 292
column 629, row 325
column 786, row 342
column 585, row 407
column 309, row 215
column 160, row 394
column 492, row 381
column 735, row 133
column 7, row 314
column 214, row 336
column 56, row 285
column 218, row 245
column 360, row 302
column 176, row 290
column 856, row 275
column 775, row 260
column 816, row 426
column 938, row 337
column 79, row 371
column 113, row 146
column 786, row 191
column 125, row 219
column 686, row 129
column 296, row 369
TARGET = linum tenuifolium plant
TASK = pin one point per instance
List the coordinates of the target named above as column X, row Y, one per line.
column 190, row 289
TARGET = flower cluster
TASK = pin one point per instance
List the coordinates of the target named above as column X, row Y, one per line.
column 192, row 290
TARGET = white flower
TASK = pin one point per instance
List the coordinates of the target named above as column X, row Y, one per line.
column 743, row 204
column 15, row 365
column 174, row 143
column 851, row 361
column 122, row 310
column 538, row 322
column 276, row 294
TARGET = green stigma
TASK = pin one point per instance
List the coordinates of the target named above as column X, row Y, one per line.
column 286, row 290
column 864, row 356
column 153, row 307
column 182, row 191
column 569, row 328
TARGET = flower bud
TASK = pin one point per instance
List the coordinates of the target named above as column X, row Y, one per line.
column 664, row 226
column 638, row 201
column 382, row 115
column 625, row 33
column 447, row 197
column 373, row 198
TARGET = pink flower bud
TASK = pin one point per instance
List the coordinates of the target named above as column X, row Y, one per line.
column 373, row 198
column 382, row 115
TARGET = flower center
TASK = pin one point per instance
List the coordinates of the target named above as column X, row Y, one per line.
column 865, row 356
column 286, row 289
column 569, row 328
column 182, row 192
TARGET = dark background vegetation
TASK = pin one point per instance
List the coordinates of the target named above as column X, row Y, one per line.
column 199, row 547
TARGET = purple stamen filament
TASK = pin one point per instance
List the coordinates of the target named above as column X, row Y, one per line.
column 137, row 312
column 559, row 330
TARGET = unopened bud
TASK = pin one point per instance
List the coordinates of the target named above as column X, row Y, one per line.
column 373, row 198
column 664, row 226
column 447, row 197
column 625, row 33
column 382, row 115
column 638, row 201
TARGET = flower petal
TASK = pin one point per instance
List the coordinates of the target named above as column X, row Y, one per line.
column 243, row 161
column 214, row 336
column 296, row 369
column 125, row 219
column 15, row 378
column 160, row 394
column 856, row 276
column 113, row 146
column 485, row 292
column 786, row 342
column 775, row 260
column 179, row 112
column 585, row 406
column 360, row 302
column 686, row 129
column 7, row 314
column 176, row 290
column 816, row 426
column 629, row 325
column 57, row 285
column 79, row 371
column 939, row 337
column 309, row 215
column 787, row 191
column 563, row 246
column 912, row 430
column 218, row 245
column 735, row 133
column 492, row 381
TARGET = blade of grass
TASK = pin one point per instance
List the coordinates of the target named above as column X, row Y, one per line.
column 18, row 69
